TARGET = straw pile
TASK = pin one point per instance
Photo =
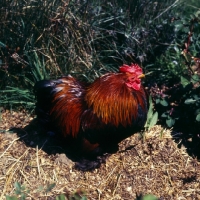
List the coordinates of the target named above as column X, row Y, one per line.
column 152, row 164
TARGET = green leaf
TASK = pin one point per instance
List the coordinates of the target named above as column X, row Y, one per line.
column 18, row 188
column 2, row 45
column 163, row 102
column 40, row 188
column 197, row 14
column 185, row 29
column 176, row 49
column 178, row 27
column 150, row 112
column 11, row 198
column 164, row 115
column 196, row 97
column 157, row 101
column 50, row 187
column 184, row 81
column 61, row 197
column 150, row 103
column 195, row 78
column 83, row 198
column 153, row 120
column 170, row 122
column 198, row 117
column 197, row 111
column 149, row 197
column 17, row 185
column 190, row 101
column 23, row 196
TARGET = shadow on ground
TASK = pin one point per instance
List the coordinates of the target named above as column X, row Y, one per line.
column 35, row 136
column 180, row 115
column 190, row 142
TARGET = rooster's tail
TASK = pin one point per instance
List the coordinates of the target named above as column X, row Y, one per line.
column 44, row 91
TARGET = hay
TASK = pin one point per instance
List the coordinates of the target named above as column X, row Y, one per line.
column 152, row 164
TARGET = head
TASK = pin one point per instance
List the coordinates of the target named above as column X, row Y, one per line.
column 134, row 75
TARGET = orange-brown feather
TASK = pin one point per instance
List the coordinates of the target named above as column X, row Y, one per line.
column 112, row 101
column 68, row 106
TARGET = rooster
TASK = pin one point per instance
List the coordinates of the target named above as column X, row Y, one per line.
column 94, row 116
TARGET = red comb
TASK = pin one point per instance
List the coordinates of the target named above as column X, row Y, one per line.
column 133, row 68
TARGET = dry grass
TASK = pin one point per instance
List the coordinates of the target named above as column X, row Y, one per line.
column 153, row 165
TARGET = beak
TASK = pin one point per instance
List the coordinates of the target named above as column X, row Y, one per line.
column 141, row 76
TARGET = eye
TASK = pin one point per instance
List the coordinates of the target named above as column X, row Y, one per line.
column 131, row 78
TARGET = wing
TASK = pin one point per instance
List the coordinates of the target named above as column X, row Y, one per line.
column 113, row 108
column 68, row 105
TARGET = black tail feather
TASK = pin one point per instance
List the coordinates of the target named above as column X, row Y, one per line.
column 43, row 91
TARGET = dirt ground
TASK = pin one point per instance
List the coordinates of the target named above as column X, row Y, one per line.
column 152, row 164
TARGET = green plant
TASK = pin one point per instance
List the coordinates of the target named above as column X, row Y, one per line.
column 83, row 38
column 146, row 197
column 16, row 96
column 20, row 191
column 61, row 197
column 176, row 86
column 149, row 197
column 152, row 117
column 78, row 195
